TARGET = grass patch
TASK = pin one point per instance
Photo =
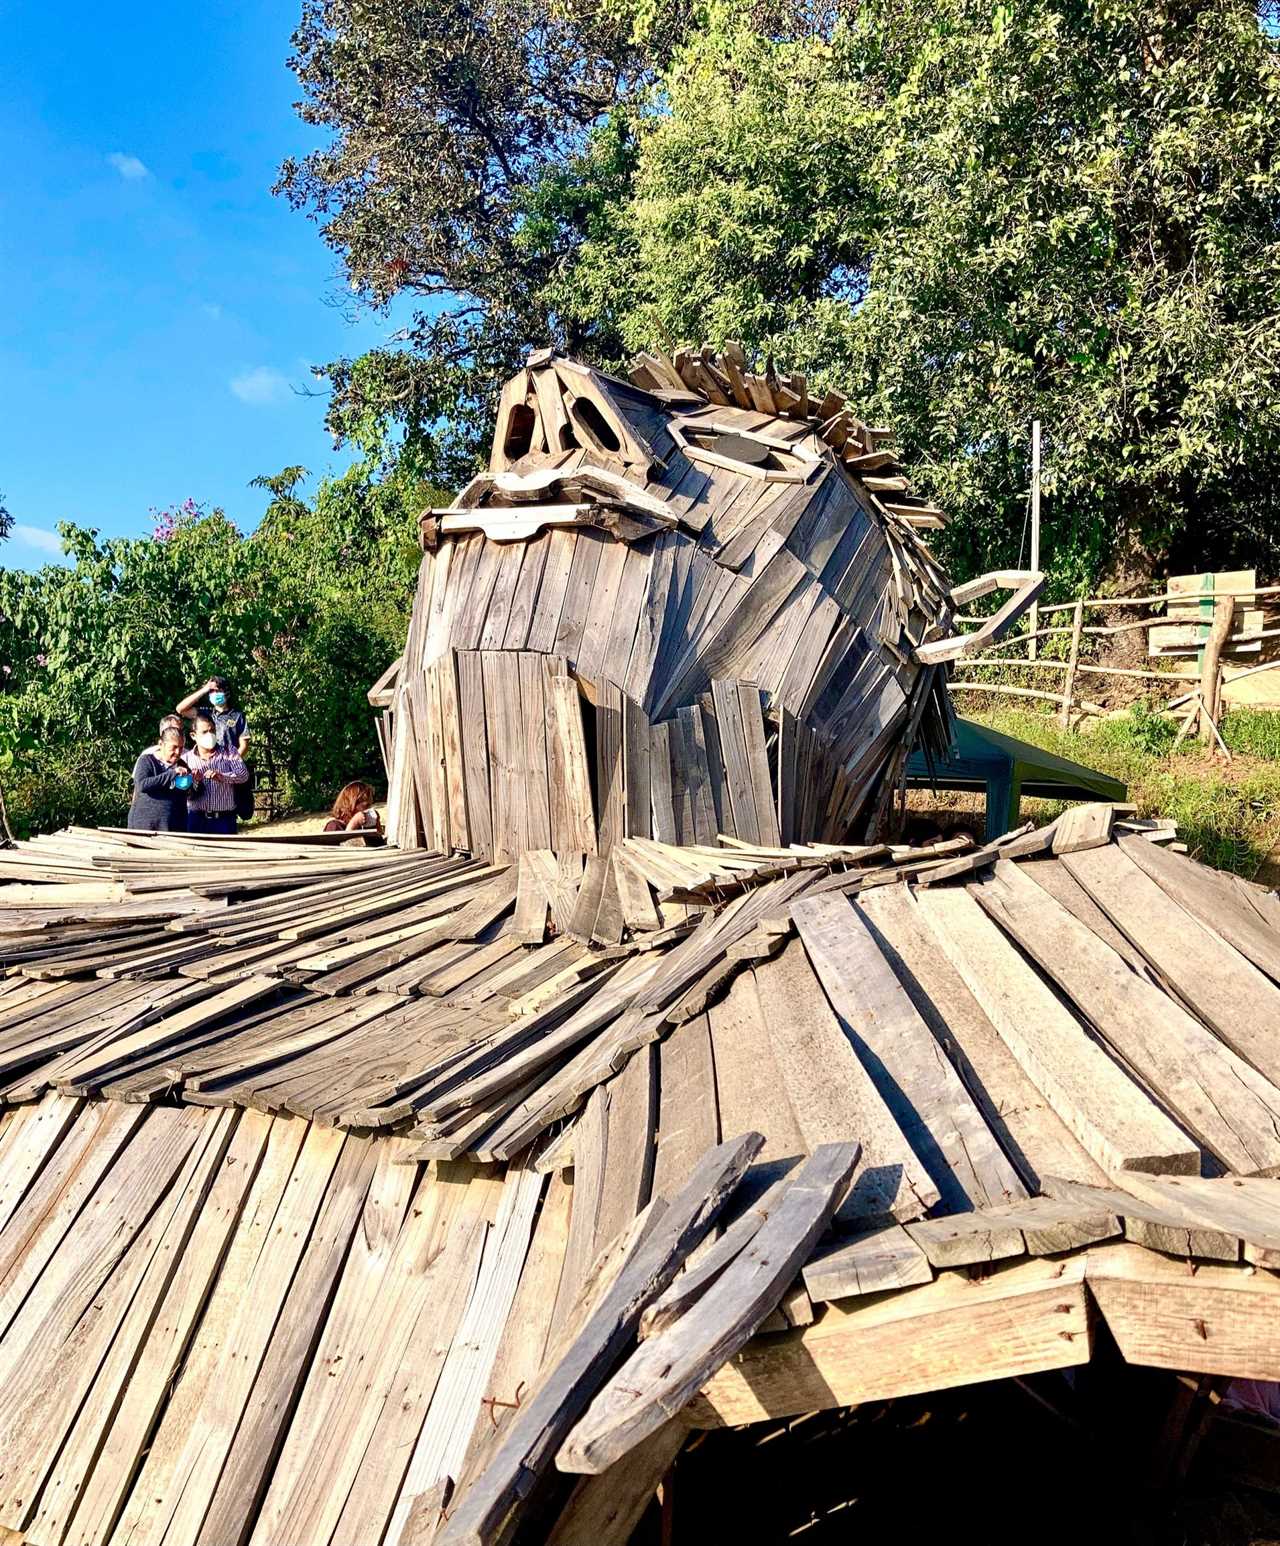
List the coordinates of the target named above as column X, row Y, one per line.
column 1228, row 813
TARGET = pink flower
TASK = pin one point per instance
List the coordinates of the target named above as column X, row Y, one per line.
column 41, row 660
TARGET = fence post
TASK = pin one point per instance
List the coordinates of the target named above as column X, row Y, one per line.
column 1069, row 687
column 1211, row 669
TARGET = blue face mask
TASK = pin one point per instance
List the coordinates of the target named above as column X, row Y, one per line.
column 217, row 699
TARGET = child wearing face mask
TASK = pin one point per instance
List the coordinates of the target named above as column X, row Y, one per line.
column 211, row 803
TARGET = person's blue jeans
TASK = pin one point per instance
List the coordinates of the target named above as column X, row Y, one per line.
column 212, row 821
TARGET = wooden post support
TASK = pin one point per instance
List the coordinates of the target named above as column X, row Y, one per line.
column 1068, row 690
column 1211, row 669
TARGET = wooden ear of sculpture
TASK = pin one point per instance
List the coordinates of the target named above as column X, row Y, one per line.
column 1026, row 585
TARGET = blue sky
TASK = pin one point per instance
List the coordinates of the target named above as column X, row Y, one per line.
column 160, row 304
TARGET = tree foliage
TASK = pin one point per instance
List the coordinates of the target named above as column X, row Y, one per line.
column 302, row 616
column 966, row 215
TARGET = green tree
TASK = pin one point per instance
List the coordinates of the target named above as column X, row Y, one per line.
column 966, row 216
column 303, row 615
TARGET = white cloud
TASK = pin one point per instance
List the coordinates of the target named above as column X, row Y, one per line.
column 129, row 167
column 260, row 387
column 37, row 537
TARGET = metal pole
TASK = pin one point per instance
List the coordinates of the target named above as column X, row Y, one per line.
column 1033, row 617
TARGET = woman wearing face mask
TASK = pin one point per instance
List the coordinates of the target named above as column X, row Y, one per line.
column 211, row 805
column 160, row 785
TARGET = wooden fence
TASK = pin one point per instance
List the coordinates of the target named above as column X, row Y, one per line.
column 1197, row 692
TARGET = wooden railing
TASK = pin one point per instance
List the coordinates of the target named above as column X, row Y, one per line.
column 1197, row 692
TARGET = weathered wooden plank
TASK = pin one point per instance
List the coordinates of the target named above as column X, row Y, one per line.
column 524, row 1340
column 664, row 1373
column 1222, row 1102
column 1162, row 1224
column 635, row 770
column 1249, row 1208
column 455, row 1406
column 832, row 1095
column 610, row 789
column 1212, row 898
column 475, row 752
column 249, row 1461
column 608, row 1508
column 545, row 623
column 758, row 761
column 750, row 1093
column 1083, row 826
column 573, row 825
column 738, row 781
column 688, row 1115
column 452, row 1273
column 919, row 1085
column 878, row 1261
column 697, row 774
column 638, row 910
column 529, row 926
column 1118, row 1125
column 536, row 1431
column 535, row 752
column 1029, row 1130
column 583, row 922
column 1225, row 989
column 1020, row 1319
column 507, row 780
column 1222, row 1320
column 664, row 816
column 962, row 1239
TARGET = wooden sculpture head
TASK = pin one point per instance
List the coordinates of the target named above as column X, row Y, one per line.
column 689, row 604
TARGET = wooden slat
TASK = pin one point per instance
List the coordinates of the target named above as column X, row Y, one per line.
column 1222, row 1320
column 475, row 752
column 912, row 1073
column 1227, row 991
column 1026, row 1317
column 573, row 827
column 667, row 1369
column 833, row 1097
column 878, row 1261
column 1029, row 1129
column 1118, row 1125
column 1222, row 1102
column 536, row 1431
column 535, row 753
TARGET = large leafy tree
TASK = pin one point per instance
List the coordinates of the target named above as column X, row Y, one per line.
column 969, row 216
column 441, row 119
column 303, row 615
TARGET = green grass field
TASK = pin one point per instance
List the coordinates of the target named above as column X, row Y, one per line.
column 1228, row 813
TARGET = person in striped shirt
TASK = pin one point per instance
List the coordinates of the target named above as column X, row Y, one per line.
column 211, row 804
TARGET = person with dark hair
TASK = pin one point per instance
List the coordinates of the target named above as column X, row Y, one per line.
column 160, row 785
column 353, row 811
column 229, row 722
column 232, row 731
column 211, row 805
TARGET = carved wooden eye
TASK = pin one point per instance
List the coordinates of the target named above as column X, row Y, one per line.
column 738, row 447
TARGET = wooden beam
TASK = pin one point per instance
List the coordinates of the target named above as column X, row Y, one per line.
column 956, row 1331
column 1215, row 1320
